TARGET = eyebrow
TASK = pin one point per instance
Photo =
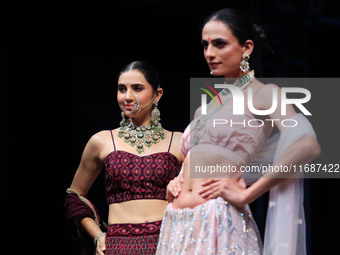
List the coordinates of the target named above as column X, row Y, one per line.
column 132, row 85
column 214, row 40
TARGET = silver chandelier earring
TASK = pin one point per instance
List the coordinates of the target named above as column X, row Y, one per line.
column 123, row 118
column 155, row 115
column 244, row 65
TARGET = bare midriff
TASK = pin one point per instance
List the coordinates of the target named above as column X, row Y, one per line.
column 189, row 196
column 137, row 211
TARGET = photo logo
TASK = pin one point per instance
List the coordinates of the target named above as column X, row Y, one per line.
column 204, row 97
column 238, row 99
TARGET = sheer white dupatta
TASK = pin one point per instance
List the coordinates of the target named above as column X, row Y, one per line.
column 285, row 222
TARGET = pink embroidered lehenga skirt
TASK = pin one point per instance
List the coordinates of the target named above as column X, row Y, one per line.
column 215, row 227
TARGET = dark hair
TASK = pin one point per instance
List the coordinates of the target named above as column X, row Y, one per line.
column 237, row 20
column 149, row 71
column 243, row 29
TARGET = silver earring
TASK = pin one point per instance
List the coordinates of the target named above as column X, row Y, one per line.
column 155, row 115
column 123, row 118
column 244, row 65
column 211, row 72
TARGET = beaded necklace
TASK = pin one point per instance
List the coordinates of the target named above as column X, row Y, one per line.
column 141, row 135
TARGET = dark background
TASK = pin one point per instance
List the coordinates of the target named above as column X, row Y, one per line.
column 59, row 66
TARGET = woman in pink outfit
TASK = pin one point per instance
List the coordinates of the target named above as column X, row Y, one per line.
column 212, row 216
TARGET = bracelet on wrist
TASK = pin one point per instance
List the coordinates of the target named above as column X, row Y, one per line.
column 97, row 237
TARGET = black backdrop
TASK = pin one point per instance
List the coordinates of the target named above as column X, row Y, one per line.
column 60, row 67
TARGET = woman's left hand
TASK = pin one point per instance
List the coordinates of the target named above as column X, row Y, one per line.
column 173, row 189
column 230, row 189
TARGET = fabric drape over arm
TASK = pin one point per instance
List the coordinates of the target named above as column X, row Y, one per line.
column 285, row 223
column 77, row 208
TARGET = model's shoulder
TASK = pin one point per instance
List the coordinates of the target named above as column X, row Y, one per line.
column 176, row 134
column 176, row 139
column 267, row 89
column 100, row 135
column 198, row 112
column 100, row 138
column 263, row 94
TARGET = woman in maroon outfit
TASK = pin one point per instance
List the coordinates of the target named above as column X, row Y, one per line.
column 139, row 159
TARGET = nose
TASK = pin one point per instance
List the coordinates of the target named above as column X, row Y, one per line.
column 209, row 52
column 129, row 95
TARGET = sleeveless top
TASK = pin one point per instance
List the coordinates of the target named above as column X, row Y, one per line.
column 131, row 177
column 236, row 137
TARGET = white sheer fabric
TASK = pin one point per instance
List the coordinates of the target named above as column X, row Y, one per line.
column 285, row 223
column 215, row 227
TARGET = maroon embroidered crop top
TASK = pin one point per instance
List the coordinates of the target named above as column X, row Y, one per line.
column 131, row 177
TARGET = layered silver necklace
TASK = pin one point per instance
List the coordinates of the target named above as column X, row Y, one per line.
column 142, row 136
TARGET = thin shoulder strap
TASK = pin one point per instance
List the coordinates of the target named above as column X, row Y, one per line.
column 172, row 134
column 113, row 141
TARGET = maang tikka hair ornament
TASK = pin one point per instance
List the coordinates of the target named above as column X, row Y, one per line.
column 244, row 65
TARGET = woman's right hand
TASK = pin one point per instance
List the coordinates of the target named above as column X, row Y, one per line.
column 173, row 189
column 232, row 190
column 100, row 250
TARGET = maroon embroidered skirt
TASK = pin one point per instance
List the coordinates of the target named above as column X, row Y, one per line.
column 131, row 239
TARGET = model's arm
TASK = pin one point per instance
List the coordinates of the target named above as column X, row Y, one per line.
column 300, row 152
column 174, row 186
column 90, row 165
column 89, row 168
